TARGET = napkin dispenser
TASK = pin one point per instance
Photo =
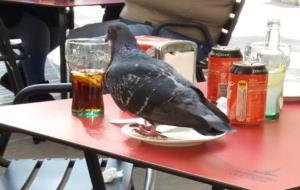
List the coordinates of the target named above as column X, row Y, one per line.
column 180, row 54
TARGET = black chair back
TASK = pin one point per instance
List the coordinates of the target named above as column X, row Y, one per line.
column 231, row 23
column 9, row 57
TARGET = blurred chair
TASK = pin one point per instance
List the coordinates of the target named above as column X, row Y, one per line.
column 98, row 29
column 10, row 52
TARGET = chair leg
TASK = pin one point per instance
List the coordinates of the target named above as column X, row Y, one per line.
column 217, row 187
column 150, row 179
column 199, row 75
column 94, row 168
column 132, row 187
column 37, row 139
column 4, row 162
column 4, row 138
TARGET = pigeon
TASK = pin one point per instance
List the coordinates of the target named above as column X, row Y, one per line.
column 152, row 89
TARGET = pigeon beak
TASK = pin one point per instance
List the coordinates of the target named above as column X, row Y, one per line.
column 106, row 38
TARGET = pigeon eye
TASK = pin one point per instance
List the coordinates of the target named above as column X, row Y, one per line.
column 109, row 31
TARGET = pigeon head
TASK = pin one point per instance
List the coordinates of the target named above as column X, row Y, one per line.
column 121, row 39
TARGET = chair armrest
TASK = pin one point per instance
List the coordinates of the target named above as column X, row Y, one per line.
column 202, row 64
column 23, row 94
column 198, row 25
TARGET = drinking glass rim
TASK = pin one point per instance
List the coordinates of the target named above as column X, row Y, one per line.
column 87, row 41
column 282, row 44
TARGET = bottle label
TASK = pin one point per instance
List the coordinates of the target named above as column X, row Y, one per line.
column 241, row 105
column 217, row 76
column 246, row 102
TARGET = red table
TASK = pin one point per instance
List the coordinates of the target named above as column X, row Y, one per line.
column 66, row 18
column 65, row 3
column 265, row 157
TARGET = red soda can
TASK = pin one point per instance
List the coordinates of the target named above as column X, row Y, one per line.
column 220, row 60
column 247, row 91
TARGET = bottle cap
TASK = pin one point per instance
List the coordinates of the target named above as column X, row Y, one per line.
column 273, row 22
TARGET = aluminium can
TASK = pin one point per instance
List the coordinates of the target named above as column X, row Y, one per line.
column 247, row 92
column 220, row 61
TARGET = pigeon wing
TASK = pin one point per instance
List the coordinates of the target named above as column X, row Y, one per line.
column 187, row 109
column 141, row 84
column 153, row 90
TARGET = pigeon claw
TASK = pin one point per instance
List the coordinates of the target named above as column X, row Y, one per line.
column 134, row 125
column 147, row 131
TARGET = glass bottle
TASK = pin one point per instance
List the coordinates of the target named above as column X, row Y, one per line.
column 273, row 58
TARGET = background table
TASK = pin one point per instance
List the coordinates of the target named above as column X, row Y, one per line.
column 65, row 3
column 263, row 157
column 66, row 19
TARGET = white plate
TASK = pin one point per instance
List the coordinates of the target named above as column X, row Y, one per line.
column 176, row 136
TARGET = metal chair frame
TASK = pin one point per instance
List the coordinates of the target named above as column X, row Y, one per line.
column 8, row 55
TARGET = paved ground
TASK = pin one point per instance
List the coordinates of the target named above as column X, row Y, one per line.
column 250, row 28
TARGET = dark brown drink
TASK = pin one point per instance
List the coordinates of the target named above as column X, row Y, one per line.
column 87, row 92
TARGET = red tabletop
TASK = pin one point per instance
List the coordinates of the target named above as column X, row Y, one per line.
column 64, row 3
column 265, row 157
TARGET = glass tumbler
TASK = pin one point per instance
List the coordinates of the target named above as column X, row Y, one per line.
column 87, row 59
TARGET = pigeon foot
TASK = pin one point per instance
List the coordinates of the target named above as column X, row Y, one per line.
column 147, row 130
